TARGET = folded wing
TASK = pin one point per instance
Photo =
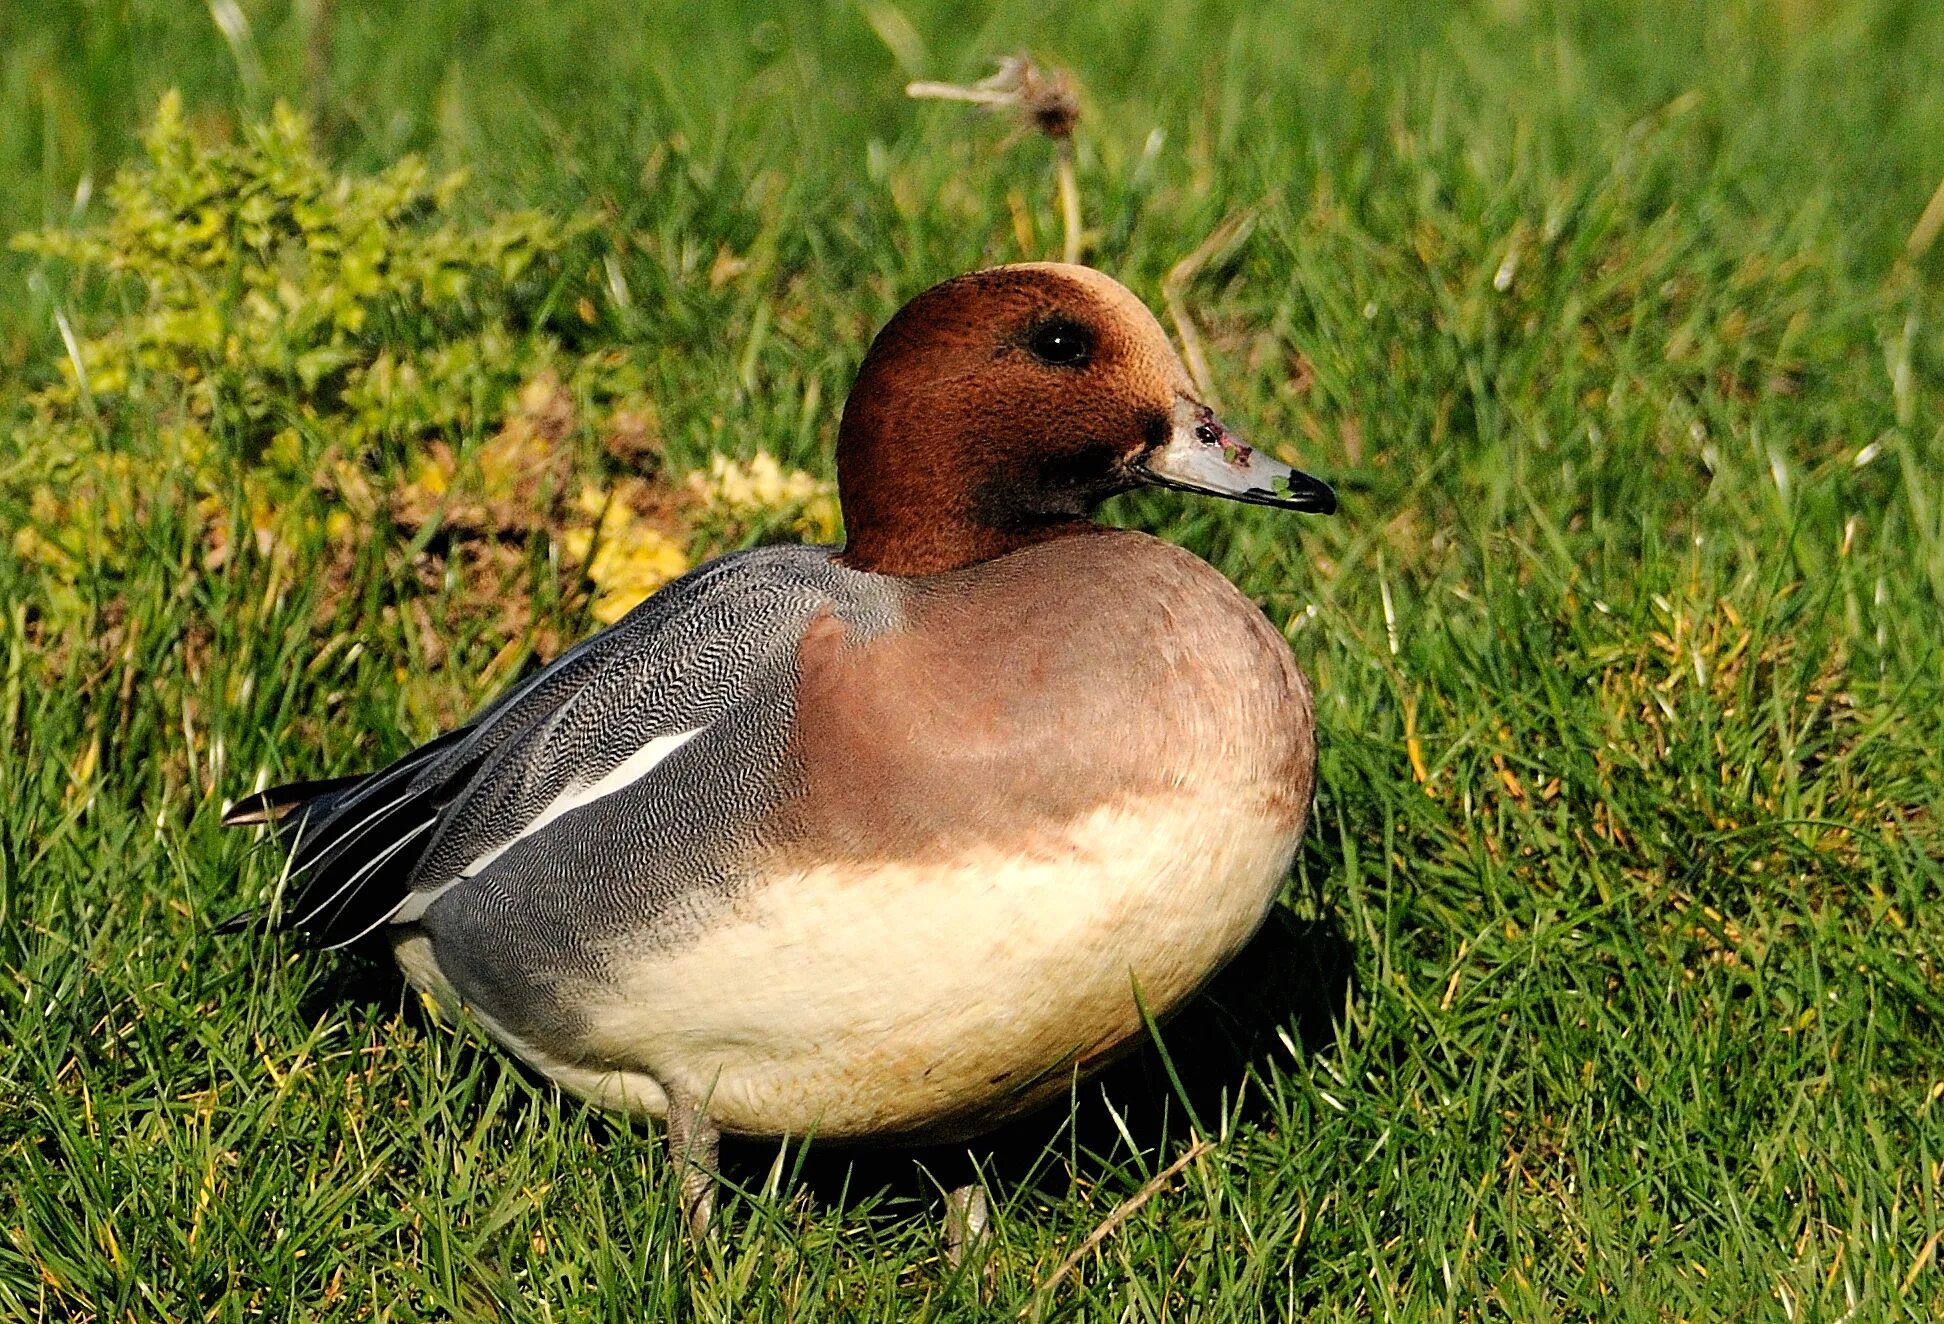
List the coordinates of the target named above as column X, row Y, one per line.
column 621, row 764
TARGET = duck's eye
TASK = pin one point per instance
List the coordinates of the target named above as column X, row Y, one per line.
column 1061, row 343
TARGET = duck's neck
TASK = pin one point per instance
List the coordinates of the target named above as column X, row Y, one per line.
column 938, row 542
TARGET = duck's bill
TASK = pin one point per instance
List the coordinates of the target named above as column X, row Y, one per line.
column 1201, row 455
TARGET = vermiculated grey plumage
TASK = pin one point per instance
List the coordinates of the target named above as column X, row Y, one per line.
column 714, row 654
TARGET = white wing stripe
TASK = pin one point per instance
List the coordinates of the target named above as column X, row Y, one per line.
column 629, row 771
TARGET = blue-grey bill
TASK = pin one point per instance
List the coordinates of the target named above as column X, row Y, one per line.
column 1201, row 455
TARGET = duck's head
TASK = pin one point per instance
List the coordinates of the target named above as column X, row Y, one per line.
column 1000, row 408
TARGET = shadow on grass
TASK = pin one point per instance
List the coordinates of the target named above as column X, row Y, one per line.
column 360, row 976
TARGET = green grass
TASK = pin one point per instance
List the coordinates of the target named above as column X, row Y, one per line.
column 1629, row 643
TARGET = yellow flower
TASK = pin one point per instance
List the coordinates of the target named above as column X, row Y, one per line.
column 761, row 491
column 631, row 558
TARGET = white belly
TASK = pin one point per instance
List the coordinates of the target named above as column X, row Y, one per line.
column 848, row 1001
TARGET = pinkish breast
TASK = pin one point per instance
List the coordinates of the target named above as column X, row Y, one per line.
column 1030, row 690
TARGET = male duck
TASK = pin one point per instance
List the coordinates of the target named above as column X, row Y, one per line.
column 881, row 842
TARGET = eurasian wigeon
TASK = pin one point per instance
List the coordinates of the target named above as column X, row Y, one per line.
column 883, row 842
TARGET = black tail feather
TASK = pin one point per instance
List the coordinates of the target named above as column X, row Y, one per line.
column 273, row 805
column 353, row 841
column 243, row 921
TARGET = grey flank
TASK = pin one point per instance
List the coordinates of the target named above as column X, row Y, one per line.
column 713, row 653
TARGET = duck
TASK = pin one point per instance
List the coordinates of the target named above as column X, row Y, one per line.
column 890, row 842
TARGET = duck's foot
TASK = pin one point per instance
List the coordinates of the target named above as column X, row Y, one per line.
column 968, row 1221
column 694, row 1144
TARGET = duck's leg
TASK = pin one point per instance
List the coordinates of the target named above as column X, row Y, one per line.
column 968, row 1220
column 693, row 1146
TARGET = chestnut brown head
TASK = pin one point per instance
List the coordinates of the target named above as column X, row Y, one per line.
column 998, row 409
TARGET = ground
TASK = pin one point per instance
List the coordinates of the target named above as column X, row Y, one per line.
column 1609, row 982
